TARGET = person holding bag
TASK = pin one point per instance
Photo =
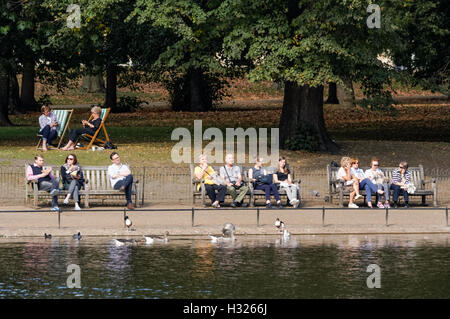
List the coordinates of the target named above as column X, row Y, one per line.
column 283, row 177
column 233, row 179
column 72, row 179
column 212, row 182
column 264, row 181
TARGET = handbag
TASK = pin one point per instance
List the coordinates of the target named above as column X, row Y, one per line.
column 411, row 188
column 217, row 180
column 264, row 179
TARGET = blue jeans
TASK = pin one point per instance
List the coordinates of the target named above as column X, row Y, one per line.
column 269, row 188
column 49, row 186
column 397, row 191
column 48, row 134
column 127, row 182
column 369, row 187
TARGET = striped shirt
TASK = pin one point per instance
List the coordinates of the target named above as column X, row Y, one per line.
column 397, row 177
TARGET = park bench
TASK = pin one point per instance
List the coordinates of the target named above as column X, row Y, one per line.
column 97, row 183
column 252, row 193
column 336, row 187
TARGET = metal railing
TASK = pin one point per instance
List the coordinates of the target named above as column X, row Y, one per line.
column 257, row 209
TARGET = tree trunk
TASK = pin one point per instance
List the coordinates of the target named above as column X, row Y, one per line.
column 199, row 101
column 332, row 94
column 303, row 106
column 111, row 86
column 4, row 96
column 93, row 83
column 14, row 97
column 27, row 95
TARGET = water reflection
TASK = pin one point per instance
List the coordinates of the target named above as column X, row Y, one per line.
column 300, row 267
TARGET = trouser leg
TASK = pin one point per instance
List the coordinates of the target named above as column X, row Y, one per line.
column 45, row 132
column 127, row 182
column 242, row 192
column 396, row 193
column 386, row 191
column 266, row 189
column 74, row 191
column 222, row 191
column 211, row 192
column 275, row 193
column 232, row 191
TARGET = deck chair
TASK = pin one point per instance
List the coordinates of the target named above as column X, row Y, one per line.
column 94, row 138
column 63, row 118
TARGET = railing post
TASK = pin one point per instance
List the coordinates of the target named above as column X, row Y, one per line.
column 59, row 218
column 124, row 214
column 193, row 215
column 143, row 188
column 257, row 217
column 323, row 215
column 387, row 216
column 446, row 215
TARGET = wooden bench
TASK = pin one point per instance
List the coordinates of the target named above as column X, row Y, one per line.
column 336, row 187
column 97, row 183
column 252, row 193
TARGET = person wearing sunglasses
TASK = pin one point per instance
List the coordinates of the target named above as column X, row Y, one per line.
column 72, row 179
column 401, row 178
column 376, row 175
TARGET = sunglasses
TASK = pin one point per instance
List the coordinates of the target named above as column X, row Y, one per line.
column 115, row 158
column 376, row 165
column 70, row 158
column 400, row 167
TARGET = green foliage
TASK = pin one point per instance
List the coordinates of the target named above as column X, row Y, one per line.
column 305, row 138
column 44, row 99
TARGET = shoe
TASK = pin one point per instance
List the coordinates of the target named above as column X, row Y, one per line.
column 268, row 205
column 279, row 205
column 297, row 202
column 244, row 205
column 386, row 205
column 395, row 205
column 54, row 192
column 66, row 201
column 407, row 206
column 379, row 205
column 130, row 206
column 369, row 204
column 77, row 207
column 215, row 205
column 234, row 204
column 353, row 205
column 358, row 196
column 55, row 208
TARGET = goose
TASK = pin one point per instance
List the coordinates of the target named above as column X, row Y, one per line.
column 77, row 236
column 159, row 239
column 121, row 242
column 47, row 236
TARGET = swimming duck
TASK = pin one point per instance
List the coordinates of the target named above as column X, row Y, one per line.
column 121, row 242
column 77, row 236
column 47, row 236
column 160, row 239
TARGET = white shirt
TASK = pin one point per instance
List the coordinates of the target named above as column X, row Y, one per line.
column 358, row 173
column 114, row 169
column 370, row 173
column 341, row 173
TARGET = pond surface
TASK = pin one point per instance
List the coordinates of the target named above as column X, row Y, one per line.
column 411, row 266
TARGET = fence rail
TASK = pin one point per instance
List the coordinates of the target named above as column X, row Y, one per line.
column 172, row 185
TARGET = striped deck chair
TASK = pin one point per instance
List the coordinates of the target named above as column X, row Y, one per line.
column 94, row 138
column 63, row 117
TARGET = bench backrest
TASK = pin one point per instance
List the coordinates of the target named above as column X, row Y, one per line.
column 96, row 175
column 417, row 175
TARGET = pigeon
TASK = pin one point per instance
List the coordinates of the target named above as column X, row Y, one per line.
column 47, row 236
column 77, row 236
column 228, row 229
column 156, row 239
column 316, row 193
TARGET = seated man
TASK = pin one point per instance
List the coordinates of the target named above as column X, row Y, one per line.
column 232, row 176
column 120, row 177
column 45, row 179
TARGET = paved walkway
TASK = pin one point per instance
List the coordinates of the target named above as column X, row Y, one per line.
column 109, row 221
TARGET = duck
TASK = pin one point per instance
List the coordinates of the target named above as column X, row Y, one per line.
column 77, row 236
column 160, row 239
column 121, row 242
column 279, row 224
column 47, row 236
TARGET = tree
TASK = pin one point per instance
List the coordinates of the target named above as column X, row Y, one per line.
column 332, row 94
column 306, row 44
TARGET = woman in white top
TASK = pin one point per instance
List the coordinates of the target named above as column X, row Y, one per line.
column 376, row 175
column 350, row 181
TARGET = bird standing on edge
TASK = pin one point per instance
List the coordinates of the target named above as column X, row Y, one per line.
column 77, row 236
column 128, row 222
column 47, row 236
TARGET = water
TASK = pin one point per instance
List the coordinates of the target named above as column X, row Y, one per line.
column 253, row 267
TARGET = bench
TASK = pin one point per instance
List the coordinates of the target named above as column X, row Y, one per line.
column 336, row 187
column 252, row 193
column 96, row 184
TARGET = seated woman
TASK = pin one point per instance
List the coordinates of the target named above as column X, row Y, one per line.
column 48, row 126
column 211, row 181
column 401, row 178
column 264, row 181
column 364, row 182
column 72, row 179
column 376, row 175
column 283, row 177
column 89, row 127
column 350, row 182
